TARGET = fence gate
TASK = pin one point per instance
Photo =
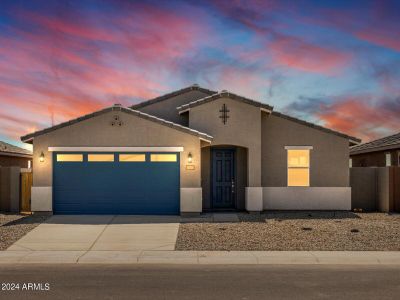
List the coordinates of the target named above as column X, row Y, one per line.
column 26, row 185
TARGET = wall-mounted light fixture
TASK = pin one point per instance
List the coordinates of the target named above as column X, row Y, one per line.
column 190, row 158
column 41, row 157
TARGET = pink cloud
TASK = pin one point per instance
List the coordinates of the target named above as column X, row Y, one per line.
column 382, row 38
column 58, row 70
column 359, row 116
column 298, row 54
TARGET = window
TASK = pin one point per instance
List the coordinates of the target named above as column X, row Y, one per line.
column 70, row 157
column 163, row 157
column 101, row 157
column 298, row 167
column 388, row 160
column 350, row 163
column 132, row 157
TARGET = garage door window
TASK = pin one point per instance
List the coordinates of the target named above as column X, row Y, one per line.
column 163, row 157
column 69, row 157
column 101, row 157
column 132, row 157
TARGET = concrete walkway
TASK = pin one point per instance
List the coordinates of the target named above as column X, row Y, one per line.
column 202, row 257
column 105, row 233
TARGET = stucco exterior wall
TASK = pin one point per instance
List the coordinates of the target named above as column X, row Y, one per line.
column 376, row 159
column 243, row 128
column 14, row 161
column 329, row 158
column 307, row 198
column 167, row 109
column 97, row 131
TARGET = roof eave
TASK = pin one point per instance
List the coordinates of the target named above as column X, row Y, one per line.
column 185, row 107
column 29, row 137
column 375, row 149
column 15, row 154
column 167, row 96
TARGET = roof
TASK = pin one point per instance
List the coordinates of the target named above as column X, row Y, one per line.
column 352, row 139
column 224, row 94
column 29, row 137
column 227, row 94
column 11, row 150
column 193, row 87
column 386, row 143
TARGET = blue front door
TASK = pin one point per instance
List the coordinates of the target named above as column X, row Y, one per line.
column 223, row 178
column 111, row 184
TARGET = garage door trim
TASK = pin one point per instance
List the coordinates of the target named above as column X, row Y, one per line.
column 115, row 149
column 135, row 206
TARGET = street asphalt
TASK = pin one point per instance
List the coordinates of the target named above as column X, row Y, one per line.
column 199, row 282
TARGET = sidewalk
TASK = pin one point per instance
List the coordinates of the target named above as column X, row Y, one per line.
column 202, row 257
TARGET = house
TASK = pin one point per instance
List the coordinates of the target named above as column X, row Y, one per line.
column 382, row 152
column 189, row 151
column 13, row 156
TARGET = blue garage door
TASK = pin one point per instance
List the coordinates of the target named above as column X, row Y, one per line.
column 116, row 183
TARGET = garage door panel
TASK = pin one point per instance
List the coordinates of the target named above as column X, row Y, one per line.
column 116, row 187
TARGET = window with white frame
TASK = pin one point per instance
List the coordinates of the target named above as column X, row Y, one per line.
column 388, row 160
column 298, row 165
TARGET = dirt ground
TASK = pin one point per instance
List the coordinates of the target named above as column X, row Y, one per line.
column 15, row 226
column 338, row 231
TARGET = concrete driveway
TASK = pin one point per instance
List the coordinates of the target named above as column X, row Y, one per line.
column 103, row 233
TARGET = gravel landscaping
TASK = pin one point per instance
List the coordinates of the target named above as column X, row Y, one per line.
column 313, row 231
column 15, row 226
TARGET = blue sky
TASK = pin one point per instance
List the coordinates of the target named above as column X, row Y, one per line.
column 336, row 63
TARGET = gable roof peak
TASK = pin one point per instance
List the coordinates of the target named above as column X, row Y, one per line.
column 29, row 137
column 222, row 94
column 193, row 87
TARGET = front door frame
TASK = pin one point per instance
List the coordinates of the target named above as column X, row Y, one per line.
column 234, row 201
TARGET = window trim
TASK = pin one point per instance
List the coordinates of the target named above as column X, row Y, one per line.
column 288, row 148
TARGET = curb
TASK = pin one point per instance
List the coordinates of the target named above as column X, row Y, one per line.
column 203, row 257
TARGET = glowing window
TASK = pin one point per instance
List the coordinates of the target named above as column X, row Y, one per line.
column 132, row 157
column 70, row 157
column 101, row 157
column 163, row 157
column 298, row 167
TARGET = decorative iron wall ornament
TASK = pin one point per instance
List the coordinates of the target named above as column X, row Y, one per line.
column 116, row 121
column 224, row 113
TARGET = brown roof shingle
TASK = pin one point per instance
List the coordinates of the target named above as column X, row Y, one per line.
column 224, row 94
column 6, row 148
column 29, row 137
column 193, row 87
column 385, row 143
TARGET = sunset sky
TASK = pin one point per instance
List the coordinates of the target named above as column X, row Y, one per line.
column 336, row 63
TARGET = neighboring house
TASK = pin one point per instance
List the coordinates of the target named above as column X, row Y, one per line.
column 189, row 151
column 13, row 156
column 383, row 152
